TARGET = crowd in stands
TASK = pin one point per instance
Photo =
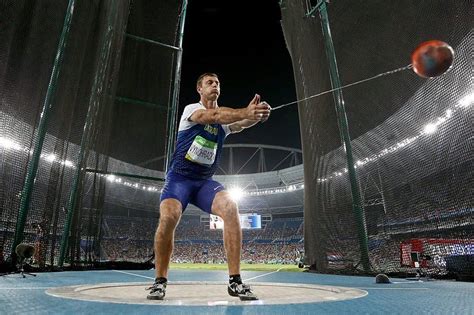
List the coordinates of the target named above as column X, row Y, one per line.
column 280, row 241
column 126, row 250
column 384, row 254
column 430, row 221
column 251, row 253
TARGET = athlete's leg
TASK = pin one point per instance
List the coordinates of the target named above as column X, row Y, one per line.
column 227, row 209
column 212, row 198
column 170, row 213
column 174, row 199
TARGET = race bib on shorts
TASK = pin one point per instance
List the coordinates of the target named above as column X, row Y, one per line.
column 202, row 151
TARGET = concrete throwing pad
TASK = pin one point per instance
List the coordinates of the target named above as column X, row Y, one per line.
column 207, row 293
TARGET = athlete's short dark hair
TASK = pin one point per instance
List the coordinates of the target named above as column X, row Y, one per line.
column 207, row 74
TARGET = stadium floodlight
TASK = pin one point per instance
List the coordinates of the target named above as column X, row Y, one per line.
column 111, row 178
column 430, row 128
column 9, row 144
column 50, row 157
column 467, row 100
column 449, row 113
column 68, row 163
column 236, row 193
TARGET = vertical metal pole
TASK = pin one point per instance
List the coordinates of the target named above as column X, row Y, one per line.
column 344, row 131
column 381, row 189
column 231, row 161
column 173, row 118
column 94, row 104
column 41, row 133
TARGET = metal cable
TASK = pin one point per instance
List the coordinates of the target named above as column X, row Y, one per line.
column 346, row 86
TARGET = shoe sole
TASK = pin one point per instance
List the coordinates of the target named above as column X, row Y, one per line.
column 232, row 293
column 243, row 297
column 151, row 297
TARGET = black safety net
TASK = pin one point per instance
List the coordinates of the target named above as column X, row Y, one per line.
column 411, row 137
column 86, row 89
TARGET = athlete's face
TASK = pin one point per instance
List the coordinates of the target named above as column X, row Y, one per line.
column 210, row 88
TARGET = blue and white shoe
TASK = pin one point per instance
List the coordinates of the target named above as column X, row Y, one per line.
column 157, row 291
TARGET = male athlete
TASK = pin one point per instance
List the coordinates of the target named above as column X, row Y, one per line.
column 202, row 130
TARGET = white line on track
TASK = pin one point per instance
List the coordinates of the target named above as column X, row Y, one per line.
column 133, row 274
column 265, row 274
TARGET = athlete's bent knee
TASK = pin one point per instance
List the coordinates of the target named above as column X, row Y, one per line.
column 224, row 206
column 170, row 213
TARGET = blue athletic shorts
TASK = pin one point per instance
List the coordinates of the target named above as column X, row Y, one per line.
column 199, row 192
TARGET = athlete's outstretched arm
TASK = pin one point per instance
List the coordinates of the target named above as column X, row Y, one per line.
column 240, row 125
column 255, row 111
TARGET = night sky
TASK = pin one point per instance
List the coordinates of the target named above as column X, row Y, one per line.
column 243, row 43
